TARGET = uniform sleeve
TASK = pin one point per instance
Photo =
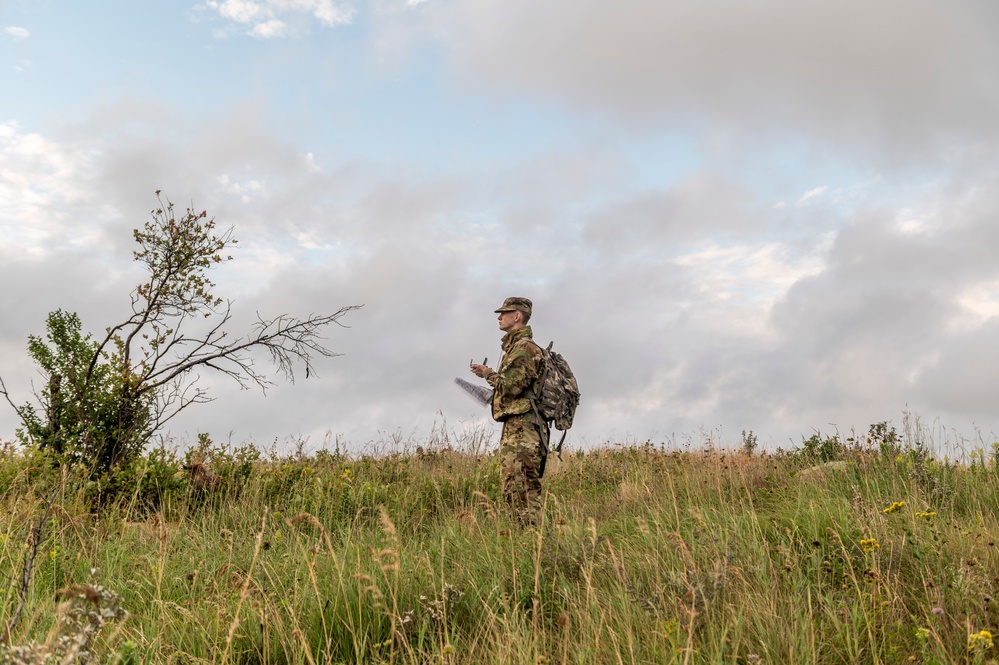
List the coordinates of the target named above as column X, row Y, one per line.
column 519, row 369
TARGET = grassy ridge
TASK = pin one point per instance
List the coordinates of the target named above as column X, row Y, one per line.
column 842, row 552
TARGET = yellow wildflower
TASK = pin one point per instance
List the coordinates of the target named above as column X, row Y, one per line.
column 898, row 505
column 981, row 640
column 927, row 515
column 869, row 544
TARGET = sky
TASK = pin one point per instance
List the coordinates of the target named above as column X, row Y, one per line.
column 777, row 216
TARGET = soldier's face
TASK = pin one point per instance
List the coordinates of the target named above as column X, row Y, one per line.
column 508, row 320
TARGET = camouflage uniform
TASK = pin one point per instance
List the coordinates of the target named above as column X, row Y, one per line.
column 523, row 437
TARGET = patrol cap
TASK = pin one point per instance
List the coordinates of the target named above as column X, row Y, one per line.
column 516, row 305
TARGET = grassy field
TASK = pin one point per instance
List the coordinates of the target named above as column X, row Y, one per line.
column 867, row 550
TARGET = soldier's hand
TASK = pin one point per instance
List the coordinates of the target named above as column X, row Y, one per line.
column 479, row 370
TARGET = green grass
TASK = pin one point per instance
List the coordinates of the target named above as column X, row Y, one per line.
column 646, row 554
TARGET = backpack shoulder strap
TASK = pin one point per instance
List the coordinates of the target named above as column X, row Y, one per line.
column 531, row 395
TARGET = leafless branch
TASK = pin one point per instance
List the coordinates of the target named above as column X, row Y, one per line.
column 172, row 399
column 287, row 339
column 17, row 409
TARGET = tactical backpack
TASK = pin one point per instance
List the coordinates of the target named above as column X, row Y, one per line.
column 559, row 397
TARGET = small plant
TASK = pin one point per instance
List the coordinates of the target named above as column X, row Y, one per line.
column 886, row 438
column 894, row 507
column 869, row 544
column 85, row 611
column 91, row 413
column 438, row 609
column 817, row 448
column 980, row 642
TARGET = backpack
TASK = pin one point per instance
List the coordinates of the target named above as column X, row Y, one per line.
column 556, row 404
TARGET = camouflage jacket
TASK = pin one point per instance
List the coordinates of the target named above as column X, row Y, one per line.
column 519, row 373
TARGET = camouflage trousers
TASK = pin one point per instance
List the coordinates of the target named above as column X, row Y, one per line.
column 520, row 467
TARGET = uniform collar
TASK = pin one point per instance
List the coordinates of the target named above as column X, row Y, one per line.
column 513, row 337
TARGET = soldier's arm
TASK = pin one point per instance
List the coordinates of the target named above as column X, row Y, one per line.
column 519, row 372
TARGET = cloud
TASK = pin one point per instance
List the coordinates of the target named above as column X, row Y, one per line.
column 667, row 221
column 271, row 28
column 684, row 305
column 16, row 33
column 892, row 80
column 876, row 325
column 42, row 183
column 812, row 193
column 269, row 18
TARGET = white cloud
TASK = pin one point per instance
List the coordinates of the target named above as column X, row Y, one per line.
column 310, row 160
column 270, row 18
column 744, row 281
column 16, row 33
column 241, row 11
column 326, row 11
column 246, row 191
column 907, row 224
column 812, row 193
column 979, row 303
column 269, row 29
column 40, row 182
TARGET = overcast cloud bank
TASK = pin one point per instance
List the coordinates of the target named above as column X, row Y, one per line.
column 774, row 216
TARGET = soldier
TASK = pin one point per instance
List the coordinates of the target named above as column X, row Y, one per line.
column 524, row 441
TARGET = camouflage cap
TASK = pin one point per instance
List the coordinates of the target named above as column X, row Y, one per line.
column 516, row 305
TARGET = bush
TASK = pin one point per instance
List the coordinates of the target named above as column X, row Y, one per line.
column 817, row 448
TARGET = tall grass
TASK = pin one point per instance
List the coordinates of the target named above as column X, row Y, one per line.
column 857, row 551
